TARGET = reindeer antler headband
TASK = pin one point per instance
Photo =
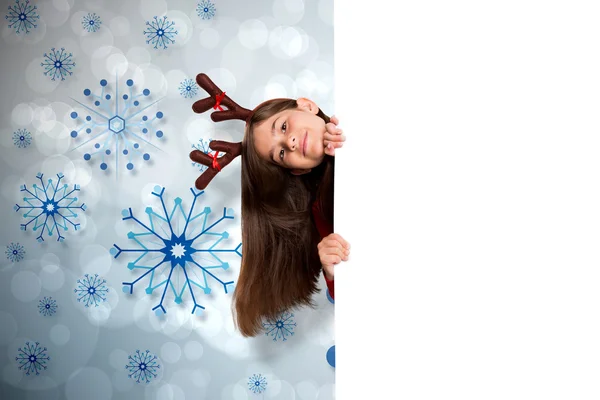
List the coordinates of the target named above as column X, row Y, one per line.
column 231, row 150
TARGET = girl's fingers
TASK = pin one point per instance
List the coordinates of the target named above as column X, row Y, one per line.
column 336, row 145
column 334, row 132
column 330, row 260
column 329, row 150
column 340, row 239
column 334, row 138
column 334, row 119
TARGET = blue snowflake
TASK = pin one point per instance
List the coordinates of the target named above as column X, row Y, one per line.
column 32, row 358
column 203, row 146
column 50, row 207
column 22, row 138
column 22, row 16
column 117, row 124
column 91, row 290
column 188, row 88
column 47, row 306
column 58, row 64
column 257, row 383
column 91, row 22
column 160, row 32
column 143, row 367
column 15, row 252
column 206, row 9
column 280, row 328
column 182, row 251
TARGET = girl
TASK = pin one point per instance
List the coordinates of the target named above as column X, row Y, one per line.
column 287, row 202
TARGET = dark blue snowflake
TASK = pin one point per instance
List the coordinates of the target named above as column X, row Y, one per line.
column 15, row 252
column 188, row 88
column 257, row 383
column 143, row 367
column 51, row 207
column 117, row 124
column 206, row 9
column 160, row 32
column 178, row 250
column 22, row 138
column 203, row 146
column 280, row 328
column 32, row 358
column 57, row 64
column 47, row 306
column 91, row 22
column 91, row 290
column 22, row 16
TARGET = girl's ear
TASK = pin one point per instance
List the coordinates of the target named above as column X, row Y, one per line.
column 296, row 171
column 307, row 105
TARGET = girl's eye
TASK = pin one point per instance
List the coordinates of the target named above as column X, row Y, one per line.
column 281, row 154
column 284, row 127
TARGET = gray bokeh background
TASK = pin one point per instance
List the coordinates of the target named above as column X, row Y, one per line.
column 254, row 51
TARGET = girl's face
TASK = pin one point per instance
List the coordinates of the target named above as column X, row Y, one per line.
column 292, row 139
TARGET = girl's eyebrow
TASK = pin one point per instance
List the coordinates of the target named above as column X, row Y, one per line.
column 272, row 150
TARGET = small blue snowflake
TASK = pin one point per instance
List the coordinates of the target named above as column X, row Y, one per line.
column 203, row 146
column 58, row 64
column 50, row 207
column 257, row 383
column 47, row 306
column 160, row 32
column 280, row 328
column 91, row 22
column 188, row 88
column 178, row 250
column 22, row 16
column 206, row 9
column 91, row 290
column 143, row 367
column 32, row 358
column 22, row 138
column 15, row 252
column 118, row 123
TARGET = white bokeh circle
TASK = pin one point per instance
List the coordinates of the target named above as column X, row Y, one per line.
column 288, row 12
column 52, row 277
column 25, row 286
column 22, row 114
column 253, row 34
column 119, row 26
column 88, row 380
column 60, row 334
column 209, row 38
column 170, row 352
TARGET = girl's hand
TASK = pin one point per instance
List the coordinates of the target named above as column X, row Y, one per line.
column 333, row 137
column 333, row 249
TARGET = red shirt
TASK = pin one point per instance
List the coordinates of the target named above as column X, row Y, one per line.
column 325, row 228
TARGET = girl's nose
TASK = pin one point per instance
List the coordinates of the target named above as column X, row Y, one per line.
column 292, row 142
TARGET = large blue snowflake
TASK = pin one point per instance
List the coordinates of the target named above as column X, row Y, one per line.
column 160, row 32
column 257, row 383
column 203, row 146
column 117, row 124
column 50, row 207
column 91, row 22
column 188, row 88
column 91, row 290
column 281, row 327
column 143, row 367
column 57, row 64
column 22, row 16
column 22, row 138
column 206, row 9
column 178, row 250
column 15, row 252
column 32, row 358
column 47, row 306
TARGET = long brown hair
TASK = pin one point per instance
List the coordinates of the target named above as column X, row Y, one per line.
column 280, row 262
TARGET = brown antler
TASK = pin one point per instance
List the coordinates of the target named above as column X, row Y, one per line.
column 232, row 150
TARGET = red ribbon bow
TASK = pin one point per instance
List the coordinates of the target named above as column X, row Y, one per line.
column 215, row 163
column 219, row 98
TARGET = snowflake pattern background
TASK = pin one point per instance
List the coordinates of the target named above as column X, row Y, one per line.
column 117, row 125
column 51, row 207
column 91, row 290
column 32, row 358
column 22, row 138
column 188, row 88
column 47, row 306
column 143, row 367
column 58, row 64
column 206, row 9
column 177, row 250
column 22, row 16
column 160, row 32
column 257, row 384
column 280, row 328
column 91, row 22
column 15, row 252
column 204, row 146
